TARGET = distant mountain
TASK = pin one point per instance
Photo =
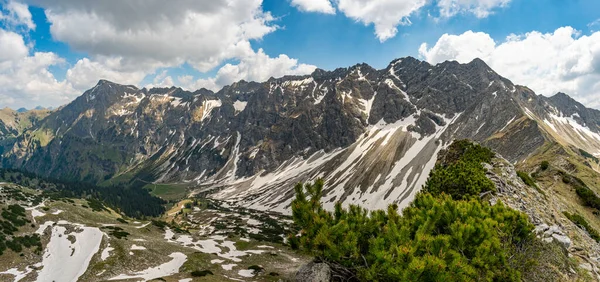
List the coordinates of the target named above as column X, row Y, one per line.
column 13, row 123
column 372, row 134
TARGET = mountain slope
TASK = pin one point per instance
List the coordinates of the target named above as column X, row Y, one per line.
column 372, row 134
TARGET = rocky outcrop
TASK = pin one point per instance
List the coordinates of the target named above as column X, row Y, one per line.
column 314, row 272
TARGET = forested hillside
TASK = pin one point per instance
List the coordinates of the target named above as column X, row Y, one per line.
column 133, row 201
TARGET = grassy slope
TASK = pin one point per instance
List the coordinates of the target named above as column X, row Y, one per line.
column 569, row 160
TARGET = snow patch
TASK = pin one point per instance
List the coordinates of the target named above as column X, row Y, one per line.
column 239, row 106
column 66, row 261
column 165, row 269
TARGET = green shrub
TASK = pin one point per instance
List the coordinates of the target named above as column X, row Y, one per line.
column 588, row 197
column 201, row 273
column 436, row 239
column 459, row 180
column 588, row 155
column 459, row 172
column 583, row 224
column 544, row 165
column 526, row 179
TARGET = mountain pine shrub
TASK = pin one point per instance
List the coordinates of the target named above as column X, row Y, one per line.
column 446, row 234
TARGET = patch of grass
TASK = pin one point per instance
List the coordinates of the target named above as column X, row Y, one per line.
column 583, row 224
column 198, row 260
column 168, row 192
column 117, row 232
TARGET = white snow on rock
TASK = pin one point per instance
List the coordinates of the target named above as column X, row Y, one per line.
column 165, row 269
column 37, row 213
column 210, row 246
column 57, row 212
column 208, row 106
column 66, row 261
column 142, row 226
column 43, row 227
column 228, row 266
column 246, row 273
column 106, row 252
column 135, row 247
column 18, row 275
column 239, row 106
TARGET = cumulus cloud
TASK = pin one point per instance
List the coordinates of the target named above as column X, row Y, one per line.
column 128, row 41
column 256, row 67
column 25, row 80
column 320, row 6
column 563, row 60
column 86, row 73
column 480, row 8
column 385, row 15
column 16, row 14
column 203, row 33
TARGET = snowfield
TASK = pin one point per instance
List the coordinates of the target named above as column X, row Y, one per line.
column 66, row 261
column 165, row 269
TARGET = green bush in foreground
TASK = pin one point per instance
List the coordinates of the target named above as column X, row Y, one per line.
column 436, row 239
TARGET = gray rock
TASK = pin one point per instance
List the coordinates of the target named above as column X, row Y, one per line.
column 586, row 266
column 553, row 230
column 314, row 272
column 563, row 240
column 541, row 228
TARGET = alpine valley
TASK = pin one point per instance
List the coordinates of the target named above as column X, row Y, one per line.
column 225, row 164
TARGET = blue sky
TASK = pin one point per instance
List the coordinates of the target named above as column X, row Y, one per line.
column 549, row 45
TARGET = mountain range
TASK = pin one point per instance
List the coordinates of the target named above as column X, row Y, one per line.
column 373, row 135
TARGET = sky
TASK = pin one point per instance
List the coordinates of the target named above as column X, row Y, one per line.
column 51, row 51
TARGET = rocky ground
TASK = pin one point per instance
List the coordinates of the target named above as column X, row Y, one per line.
column 545, row 211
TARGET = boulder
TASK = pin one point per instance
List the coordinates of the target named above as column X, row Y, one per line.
column 314, row 272
column 563, row 240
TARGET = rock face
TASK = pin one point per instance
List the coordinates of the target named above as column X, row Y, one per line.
column 371, row 134
column 314, row 272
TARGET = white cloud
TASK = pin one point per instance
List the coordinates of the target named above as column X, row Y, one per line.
column 25, row 80
column 256, row 67
column 12, row 46
column 320, row 6
column 126, row 42
column 385, row 15
column 203, row 33
column 480, row 8
column 593, row 26
column 185, row 80
column 86, row 73
column 163, row 79
column 462, row 48
column 548, row 63
column 17, row 14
